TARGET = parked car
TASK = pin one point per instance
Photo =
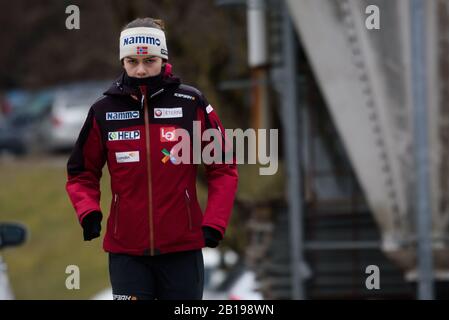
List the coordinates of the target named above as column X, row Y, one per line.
column 13, row 126
column 22, row 132
column 11, row 234
column 16, row 99
column 50, row 120
column 67, row 112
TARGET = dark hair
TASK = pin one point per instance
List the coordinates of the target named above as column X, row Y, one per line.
column 146, row 22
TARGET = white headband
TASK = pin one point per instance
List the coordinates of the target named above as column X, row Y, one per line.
column 143, row 41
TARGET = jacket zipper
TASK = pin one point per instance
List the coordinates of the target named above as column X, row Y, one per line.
column 147, row 147
column 116, row 202
column 187, row 198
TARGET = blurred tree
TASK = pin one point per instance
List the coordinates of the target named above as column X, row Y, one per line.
column 40, row 51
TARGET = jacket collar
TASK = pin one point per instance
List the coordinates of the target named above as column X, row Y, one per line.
column 120, row 88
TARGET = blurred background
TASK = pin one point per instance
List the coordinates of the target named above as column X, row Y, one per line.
column 363, row 131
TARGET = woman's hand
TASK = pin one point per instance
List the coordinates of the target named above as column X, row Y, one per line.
column 92, row 225
column 211, row 237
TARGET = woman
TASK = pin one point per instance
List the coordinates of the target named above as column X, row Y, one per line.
column 155, row 229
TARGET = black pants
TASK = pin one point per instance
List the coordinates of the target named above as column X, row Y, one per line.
column 171, row 276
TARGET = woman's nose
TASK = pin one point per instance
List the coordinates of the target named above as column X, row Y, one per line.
column 141, row 72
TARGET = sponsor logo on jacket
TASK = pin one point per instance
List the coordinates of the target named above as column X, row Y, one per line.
column 128, row 156
column 168, row 155
column 123, row 297
column 141, row 39
column 168, row 113
column 168, row 134
column 185, row 96
column 209, row 109
column 126, row 115
column 124, row 135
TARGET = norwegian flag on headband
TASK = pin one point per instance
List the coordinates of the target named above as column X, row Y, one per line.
column 142, row 50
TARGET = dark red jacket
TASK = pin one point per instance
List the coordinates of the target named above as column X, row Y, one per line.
column 154, row 207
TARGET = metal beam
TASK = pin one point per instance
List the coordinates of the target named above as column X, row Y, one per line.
column 230, row 2
column 343, row 245
column 422, row 184
column 289, row 117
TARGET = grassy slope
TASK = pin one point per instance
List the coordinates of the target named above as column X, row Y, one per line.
column 35, row 195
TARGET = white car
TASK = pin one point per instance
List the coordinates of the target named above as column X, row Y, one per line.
column 11, row 234
column 66, row 112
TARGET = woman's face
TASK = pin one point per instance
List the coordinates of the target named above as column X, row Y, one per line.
column 142, row 67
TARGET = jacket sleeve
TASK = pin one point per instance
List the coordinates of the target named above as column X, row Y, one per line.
column 222, row 178
column 84, row 169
